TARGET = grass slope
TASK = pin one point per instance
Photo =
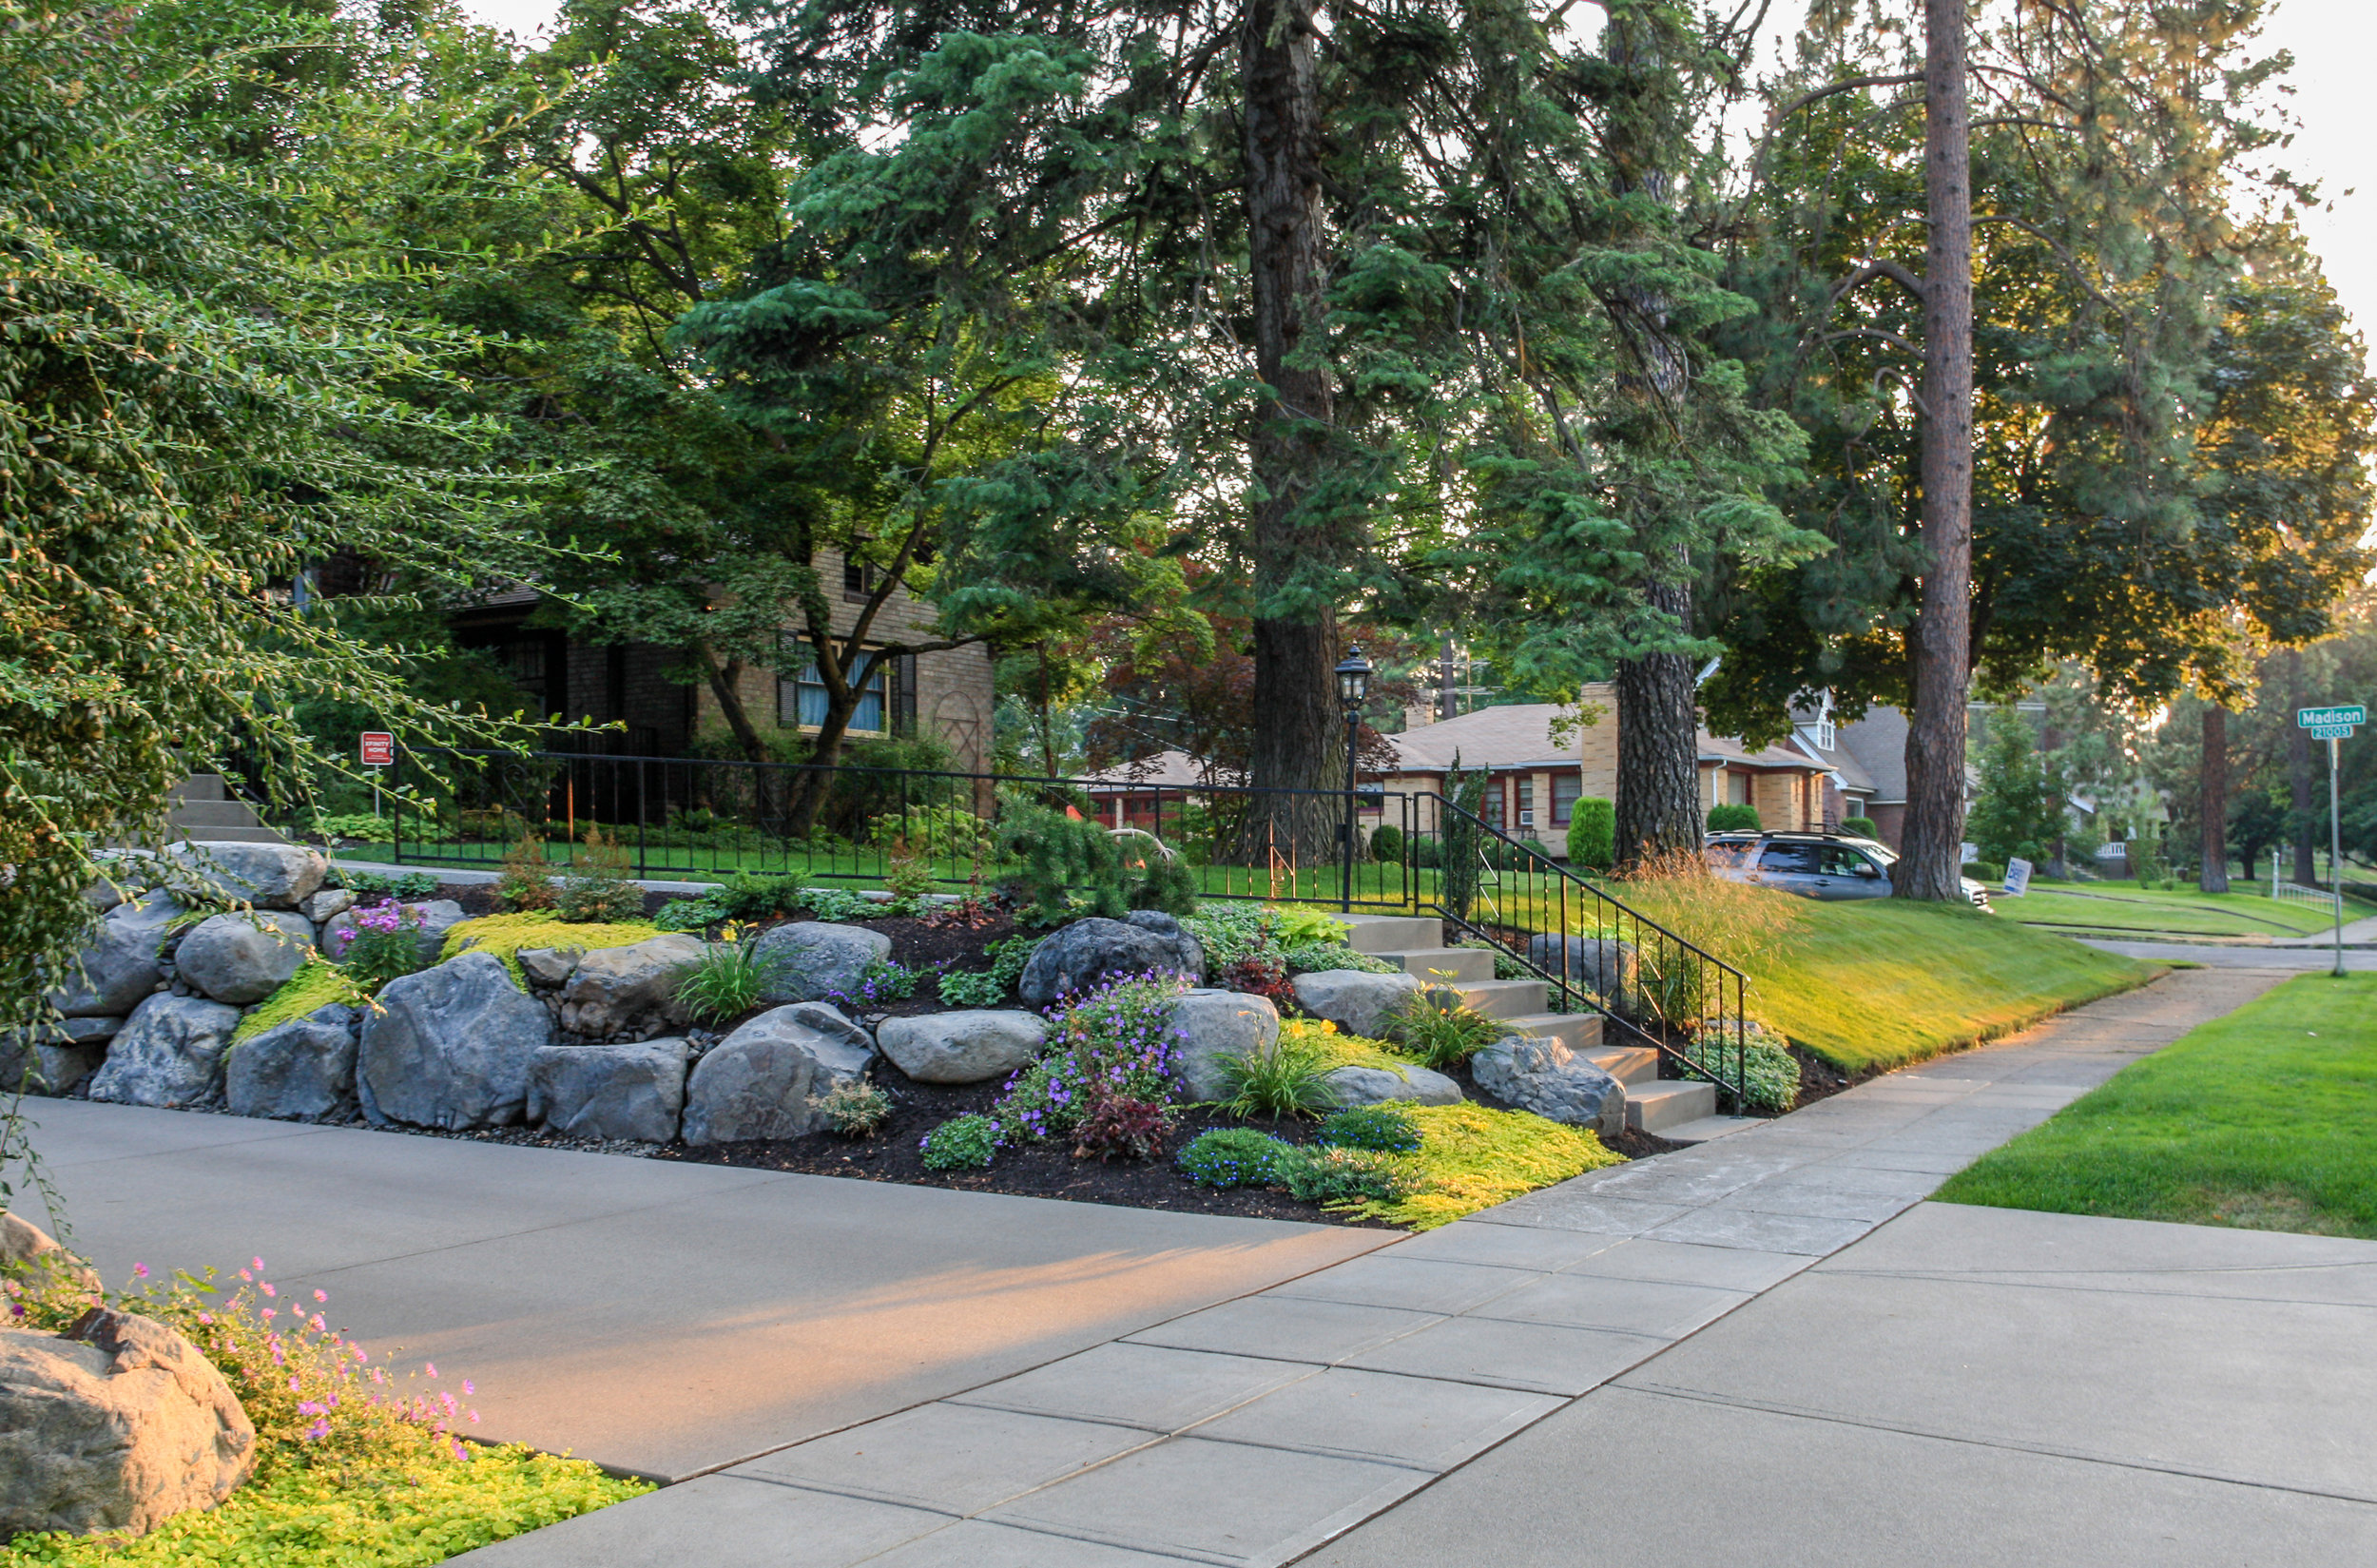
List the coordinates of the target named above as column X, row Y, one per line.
column 1878, row 983
column 2112, row 907
column 2266, row 1120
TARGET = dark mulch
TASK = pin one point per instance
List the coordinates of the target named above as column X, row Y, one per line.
column 1049, row 1171
column 1819, row 1079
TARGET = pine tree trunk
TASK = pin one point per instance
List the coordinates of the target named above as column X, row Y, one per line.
column 1297, row 724
column 1658, row 751
column 2214, row 801
column 1940, row 641
column 2299, row 786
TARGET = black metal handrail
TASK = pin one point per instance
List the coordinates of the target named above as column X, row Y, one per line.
column 1651, row 975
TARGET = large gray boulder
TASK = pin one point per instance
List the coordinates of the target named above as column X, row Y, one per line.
column 1077, row 958
column 119, row 1428
column 1376, row 1085
column 550, row 967
column 50, row 1059
column 434, row 916
column 1214, row 1025
column 302, row 1070
column 1602, row 965
column 967, row 1047
column 450, row 1046
column 809, row 960
column 244, row 958
column 1357, row 1002
column 757, row 1082
column 635, row 1090
column 120, row 968
column 629, row 990
column 169, row 1053
column 1548, row 1078
column 270, row 876
column 325, row 905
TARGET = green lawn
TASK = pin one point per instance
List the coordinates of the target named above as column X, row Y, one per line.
column 2112, row 906
column 2266, row 1119
column 1878, row 983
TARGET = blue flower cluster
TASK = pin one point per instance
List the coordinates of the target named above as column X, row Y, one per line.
column 1114, row 1043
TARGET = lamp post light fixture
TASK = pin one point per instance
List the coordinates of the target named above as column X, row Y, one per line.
column 1353, row 686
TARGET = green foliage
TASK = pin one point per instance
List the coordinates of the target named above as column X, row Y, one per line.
column 1386, row 1128
column 1733, row 819
column 838, row 903
column 1989, row 872
column 1319, row 956
column 855, row 1108
column 1460, row 841
column 1228, row 932
column 1318, row 1173
column 940, row 832
column 404, row 884
column 1230, row 1156
column 598, row 890
column 1122, row 1125
column 1767, row 1073
column 1593, row 833
column 1437, row 1027
column 527, row 880
column 1860, row 827
column 751, row 896
column 1112, row 873
column 382, row 944
column 359, row 826
column 693, row 914
column 1472, row 1158
column 727, row 981
column 882, row 980
column 1292, row 925
column 504, row 936
column 1114, row 1043
column 1290, row 1079
column 1386, row 843
column 961, row 1143
column 992, row 986
column 2018, row 811
column 315, row 986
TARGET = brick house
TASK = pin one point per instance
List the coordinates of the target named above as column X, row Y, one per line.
column 946, row 695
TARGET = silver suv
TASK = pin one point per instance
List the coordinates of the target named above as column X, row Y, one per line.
column 1814, row 865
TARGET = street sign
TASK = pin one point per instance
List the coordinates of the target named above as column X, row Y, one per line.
column 2349, row 715
column 2331, row 732
column 380, row 748
column 2016, row 878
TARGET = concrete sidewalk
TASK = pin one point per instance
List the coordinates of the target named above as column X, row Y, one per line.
column 656, row 1317
column 1255, row 1431
column 2294, row 960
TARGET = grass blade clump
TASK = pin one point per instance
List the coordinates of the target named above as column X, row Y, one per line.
column 1439, row 1027
column 1290, row 1079
column 727, row 981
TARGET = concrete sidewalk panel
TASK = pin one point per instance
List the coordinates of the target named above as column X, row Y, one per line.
column 1537, row 1357
column 1681, row 1262
column 737, row 1521
column 1356, row 1414
column 1566, row 1207
column 1762, row 1233
column 1418, row 1284
column 979, row 1544
column 951, row 1458
column 1286, row 1328
column 1503, row 1245
column 1149, row 1386
column 1581, row 1300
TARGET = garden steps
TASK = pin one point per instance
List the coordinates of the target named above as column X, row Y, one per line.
column 1503, row 999
column 1579, row 1031
column 1438, row 965
column 1383, row 935
column 200, row 808
column 1669, row 1102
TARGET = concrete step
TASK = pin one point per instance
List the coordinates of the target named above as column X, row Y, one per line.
column 200, row 786
column 1669, row 1102
column 212, row 814
column 1708, row 1128
column 1629, row 1065
column 1503, row 999
column 1579, row 1031
column 1443, row 965
column 1393, row 933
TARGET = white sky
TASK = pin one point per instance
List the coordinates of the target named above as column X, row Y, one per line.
column 2333, row 42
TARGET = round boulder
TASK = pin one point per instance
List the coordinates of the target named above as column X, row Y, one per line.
column 967, row 1047
column 120, row 968
column 1076, row 958
column 1376, row 1085
column 120, row 1427
column 244, row 958
column 758, row 1081
column 450, row 1046
column 809, row 960
column 270, row 876
column 169, row 1053
column 1214, row 1025
column 634, row 1092
column 1602, row 965
column 1356, row 1001
column 630, row 991
column 1548, row 1078
column 302, row 1070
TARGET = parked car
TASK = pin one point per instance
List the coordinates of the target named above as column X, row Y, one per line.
column 1814, row 865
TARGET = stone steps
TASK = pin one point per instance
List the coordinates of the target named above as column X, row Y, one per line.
column 1579, row 1031
column 1669, row 1102
column 1443, row 965
column 204, row 811
column 1382, row 935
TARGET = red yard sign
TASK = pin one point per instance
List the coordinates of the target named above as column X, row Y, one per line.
column 380, row 748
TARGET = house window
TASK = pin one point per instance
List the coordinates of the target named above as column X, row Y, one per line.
column 854, row 580
column 1827, row 735
column 1493, row 804
column 801, row 699
column 1736, row 787
column 1523, row 796
column 1566, row 790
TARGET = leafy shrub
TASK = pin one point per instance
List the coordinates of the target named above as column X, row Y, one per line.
column 1383, row 1129
column 961, row 1143
column 1340, row 1176
column 598, row 890
column 405, row 884
column 882, row 980
column 1121, row 1124
column 1228, row 933
column 527, row 880
column 727, row 981
column 360, row 827
column 1592, row 834
column 1733, row 818
column 1769, row 1072
column 1427, row 852
column 989, row 987
column 1863, row 828
column 1471, row 1157
column 1230, row 1156
column 750, row 896
column 1439, row 1027
column 1063, row 856
column 1291, row 926
column 908, row 874
column 693, row 914
column 1386, row 843
column 1314, row 957
column 838, row 903
column 1115, row 1041
column 856, row 1109
column 384, row 942
column 1286, row 1080
column 949, row 832
column 1986, row 871
column 1262, row 975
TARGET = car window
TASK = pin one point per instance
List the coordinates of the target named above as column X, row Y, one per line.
column 1789, row 860
column 1729, row 852
column 1840, row 861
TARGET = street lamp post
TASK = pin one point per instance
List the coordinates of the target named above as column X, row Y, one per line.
column 1353, row 686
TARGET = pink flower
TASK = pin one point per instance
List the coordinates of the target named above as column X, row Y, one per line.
column 319, row 1430
column 270, row 1314
column 267, row 1289
column 256, row 1264
column 475, row 1418
column 431, row 1367
column 320, row 1295
column 292, row 1385
column 466, row 1386
column 139, row 1270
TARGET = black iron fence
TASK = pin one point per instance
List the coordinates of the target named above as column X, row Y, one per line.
column 707, row 819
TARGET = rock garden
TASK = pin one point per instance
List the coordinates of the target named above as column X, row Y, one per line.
column 1233, row 1058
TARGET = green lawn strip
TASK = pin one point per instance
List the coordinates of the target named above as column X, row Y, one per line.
column 2265, row 1120
column 1879, row 983
column 2110, row 908
column 308, row 1516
